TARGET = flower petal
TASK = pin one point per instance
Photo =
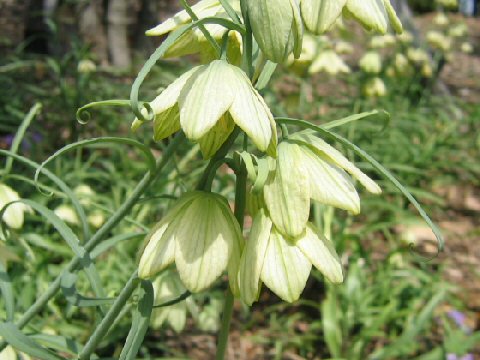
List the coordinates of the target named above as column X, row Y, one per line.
column 214, row 139
column 336, row 157
column 329, row 184
column 204, row 8
column 205, row 98
column 204, row 242
column 320, row 15
column 374, row 14
column 285, row 269
column 253, row 256
column 250, row 112
column 160, row 249
column 321, row 253
column 287, row 192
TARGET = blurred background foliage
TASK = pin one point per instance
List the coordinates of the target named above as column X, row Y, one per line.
column 394, row 303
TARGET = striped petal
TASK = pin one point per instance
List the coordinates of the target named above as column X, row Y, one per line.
column 377, row 15
column 321, row 253
column 320, row 15
column 253, row 257
column 287, row 192
column 285, row 269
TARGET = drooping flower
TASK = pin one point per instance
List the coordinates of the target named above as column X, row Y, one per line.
column 382, row 41
column 67, row 214
column 371, row 62
column 308, row 168
column 466, row 48
column 438, row 40
column 441, row 19
column 376, row 15
column 282, row 264
column 319, row 15
column 328, row 61
column 14, row 214
column 277, row 27
column 201, row 236
column 194, row 41
column 206, row 103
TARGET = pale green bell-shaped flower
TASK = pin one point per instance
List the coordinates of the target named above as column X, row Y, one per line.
column 167, row 286
column 376, row 15
column 206, row 102
column 371, row 62
column 194, row 41
column 375, row 87
column 458, row 30
column 308, row 168
column 277, row 27
column 319, row 15
column 14, row 214
column 417, row 55
column 328, row 61
column 343, row 47
column 9, row 353
column 201, row 236
column 284, row 265
column 466, row 47
column 441, row 19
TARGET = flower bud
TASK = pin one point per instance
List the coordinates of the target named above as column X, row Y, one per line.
column 201, row 236
column 277, row 27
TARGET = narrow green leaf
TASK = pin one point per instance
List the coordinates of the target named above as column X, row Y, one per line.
column 266, row 75
column 67, row 284
column 375, row 114
column 140, row 322
column 7, row 292
column 118, row 140
column 24, row 344
column 21, row 133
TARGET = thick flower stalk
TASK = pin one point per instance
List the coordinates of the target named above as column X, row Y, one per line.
column 201, row 236
column 207, row 102
column 283, row 264
column 277, row 27
column 309, row 168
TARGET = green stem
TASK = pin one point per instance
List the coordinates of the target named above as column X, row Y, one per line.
column 100, row 234
column 240, row 204
column 109, row 318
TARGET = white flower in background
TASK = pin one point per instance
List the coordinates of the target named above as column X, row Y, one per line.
column 85, row 194
column 277, row 27
column 9, row 353
column 309, row 51
column 167, row 286
column 450, row 4
column 439, row 41
column 201, row 236
column 426, row 70
column 308, row 168
column 86, row 66
column 284, row 265
column 441, row 19
column 375, row 88
column 382, row 41
column 371, row 62
column 466, row 47
column 328, row 61
column 206, row 103
column 96, row 219
column 343, row 47
column 67, row 214
column 14, row 214
column 458, row 30
column 376, row 15
column 417, row 55
column 405, row 37
column 401, row 63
